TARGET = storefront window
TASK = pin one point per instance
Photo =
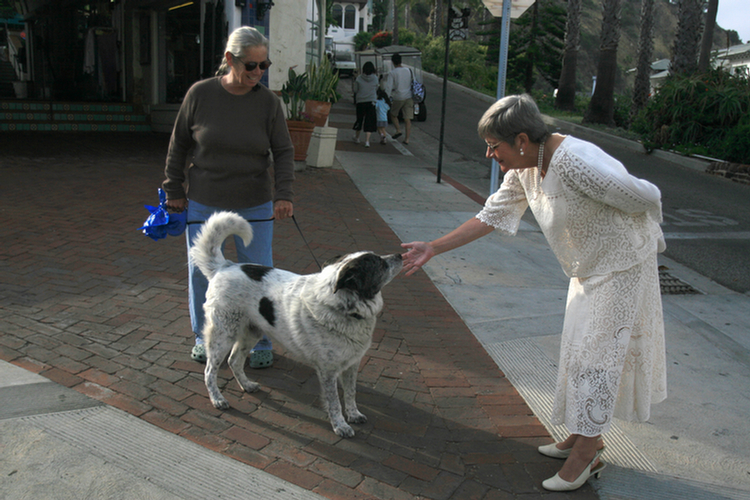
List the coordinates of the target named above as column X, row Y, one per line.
column 183, row 50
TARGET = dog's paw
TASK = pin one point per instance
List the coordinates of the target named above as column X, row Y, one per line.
column 355, row 417
column 249, row 386
column 220, row 404
column 343, row 430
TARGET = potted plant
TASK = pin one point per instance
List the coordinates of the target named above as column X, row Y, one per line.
column 299, row 123
column 320, row 92
column 293, row 94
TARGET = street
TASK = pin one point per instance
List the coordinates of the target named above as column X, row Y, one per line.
column 706, row 218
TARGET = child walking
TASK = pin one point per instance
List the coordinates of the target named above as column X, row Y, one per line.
column 382, row 105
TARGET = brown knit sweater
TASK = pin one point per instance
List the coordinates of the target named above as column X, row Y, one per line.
column 228, row 140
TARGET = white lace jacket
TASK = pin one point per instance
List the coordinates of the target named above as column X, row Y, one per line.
column 596, row 217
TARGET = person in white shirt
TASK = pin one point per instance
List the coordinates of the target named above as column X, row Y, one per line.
column 400, row 92
column 603, row 226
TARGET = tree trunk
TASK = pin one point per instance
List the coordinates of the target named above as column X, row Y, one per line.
column 708, row 36
column 685, row 51
column 395, row 22
column 602, row 106
column 438, row 18
column 642, row 85
column 531, row 49
column 566, row 87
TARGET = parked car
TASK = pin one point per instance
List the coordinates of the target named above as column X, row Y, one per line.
column 410, row 58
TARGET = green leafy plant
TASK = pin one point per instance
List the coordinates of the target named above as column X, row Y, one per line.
column 293, row 95
column 321, row 84
column 362, row 40
column 699, row 113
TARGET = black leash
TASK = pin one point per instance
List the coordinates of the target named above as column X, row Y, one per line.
column 306, row 243
column 269, row 220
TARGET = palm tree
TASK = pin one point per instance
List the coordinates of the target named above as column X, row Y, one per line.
column 602, row 106
column 566, row 87
column 642, row 85
column 395, row 22
column 708, row 35
column 537, row 44
column 437, row 18
column 689, row 24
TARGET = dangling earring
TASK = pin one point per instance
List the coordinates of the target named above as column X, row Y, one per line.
column 522, row 152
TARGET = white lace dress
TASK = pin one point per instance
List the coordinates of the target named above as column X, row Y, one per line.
column 603, row 226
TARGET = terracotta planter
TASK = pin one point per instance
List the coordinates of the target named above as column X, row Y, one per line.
column 318, row 111
column 301, row 133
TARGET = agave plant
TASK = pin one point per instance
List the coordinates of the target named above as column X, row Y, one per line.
column 322, row 81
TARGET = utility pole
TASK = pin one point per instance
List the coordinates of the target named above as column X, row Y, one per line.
column 322, row 32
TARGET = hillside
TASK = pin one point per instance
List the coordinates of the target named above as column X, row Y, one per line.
column 665, row 29
column 664, row 33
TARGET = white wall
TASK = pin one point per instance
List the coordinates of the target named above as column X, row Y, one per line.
column 234, row 16
column 286, row 40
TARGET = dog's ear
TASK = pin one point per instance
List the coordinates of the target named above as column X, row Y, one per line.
column 363, row 275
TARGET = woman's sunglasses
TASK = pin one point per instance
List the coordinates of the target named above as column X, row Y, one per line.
column 250, row 66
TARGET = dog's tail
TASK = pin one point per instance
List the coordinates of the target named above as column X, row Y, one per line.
column 206, row 250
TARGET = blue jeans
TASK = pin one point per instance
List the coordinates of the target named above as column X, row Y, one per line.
column 259, row 252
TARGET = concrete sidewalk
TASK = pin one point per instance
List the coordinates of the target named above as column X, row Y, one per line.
column 100, row 399
column 511, row 292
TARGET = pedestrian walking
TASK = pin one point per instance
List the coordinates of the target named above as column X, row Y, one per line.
column 382, row 105
column 365, row 93
column 400, row 92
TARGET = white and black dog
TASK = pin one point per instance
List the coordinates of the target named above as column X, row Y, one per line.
column 325, row 319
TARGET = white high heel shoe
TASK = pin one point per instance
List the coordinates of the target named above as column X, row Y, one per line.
column 552, row 451
column 556, row 483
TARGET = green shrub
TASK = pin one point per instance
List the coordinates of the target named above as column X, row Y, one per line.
column 702, row 113
column 735, row 145
column 362, row 40
column 406, row 37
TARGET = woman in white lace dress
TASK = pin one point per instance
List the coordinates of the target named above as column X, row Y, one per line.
column 603, row 226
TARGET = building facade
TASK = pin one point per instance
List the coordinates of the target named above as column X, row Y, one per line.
column 144, row 52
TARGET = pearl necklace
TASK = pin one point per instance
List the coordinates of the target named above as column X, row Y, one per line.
column 538, row 173
column 540, row 161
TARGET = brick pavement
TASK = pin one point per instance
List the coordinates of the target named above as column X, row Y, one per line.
column 89, row 302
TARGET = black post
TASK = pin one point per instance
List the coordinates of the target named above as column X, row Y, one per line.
column 445, row 89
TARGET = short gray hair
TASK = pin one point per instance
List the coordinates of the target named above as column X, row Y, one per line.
column 240, row 39
column 511, row 116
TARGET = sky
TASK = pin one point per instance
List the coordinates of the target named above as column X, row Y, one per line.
column 733, row 15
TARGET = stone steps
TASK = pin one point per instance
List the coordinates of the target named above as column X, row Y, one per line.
column 46, row 116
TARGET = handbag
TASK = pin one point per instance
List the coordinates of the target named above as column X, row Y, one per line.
column 417, row 89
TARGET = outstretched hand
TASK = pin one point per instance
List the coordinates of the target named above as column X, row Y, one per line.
column 417, row 255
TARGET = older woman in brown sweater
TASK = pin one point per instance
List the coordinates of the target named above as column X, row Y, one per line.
column 232, row 133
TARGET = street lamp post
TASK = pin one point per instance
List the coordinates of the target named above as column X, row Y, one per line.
column 507, row 10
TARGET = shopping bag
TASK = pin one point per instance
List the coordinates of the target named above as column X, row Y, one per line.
column 161, row 222
column 417, row 89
